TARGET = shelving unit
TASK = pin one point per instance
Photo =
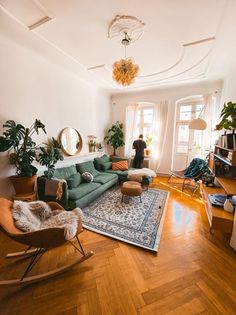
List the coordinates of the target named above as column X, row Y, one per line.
column 218, row 218
column 227, row 156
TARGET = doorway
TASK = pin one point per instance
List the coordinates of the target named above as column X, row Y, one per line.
column 188, row 143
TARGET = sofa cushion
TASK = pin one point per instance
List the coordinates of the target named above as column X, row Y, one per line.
column 65, row 172
column 106, row 166
column 100, row 162
column 87, row 167
column 117, row 159
column 87, row 177
column 119, row 166
column 74, row 180
column 104, row 178
column 82, row 190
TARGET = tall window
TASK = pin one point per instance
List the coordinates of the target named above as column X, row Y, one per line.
column 145, row 117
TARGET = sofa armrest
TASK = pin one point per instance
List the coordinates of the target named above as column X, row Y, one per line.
column 42, row 196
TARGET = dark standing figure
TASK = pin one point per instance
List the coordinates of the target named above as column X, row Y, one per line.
column 139, row 146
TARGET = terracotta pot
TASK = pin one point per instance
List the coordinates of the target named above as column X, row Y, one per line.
column 147, row 152
column 23, row 185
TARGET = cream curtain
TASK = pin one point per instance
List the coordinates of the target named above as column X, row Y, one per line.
column 210, row 116
column 159, row 134
column 130, row 128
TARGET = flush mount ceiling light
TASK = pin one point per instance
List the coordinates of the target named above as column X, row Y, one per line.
column 131, row 29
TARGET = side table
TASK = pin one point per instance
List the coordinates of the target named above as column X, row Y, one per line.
column 26, row 197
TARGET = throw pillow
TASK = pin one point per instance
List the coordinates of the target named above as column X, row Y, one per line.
column 87, row 177
column 98, row 162
column 106, row 166
column 120, row 166
column 74, row 181
column 87, row 167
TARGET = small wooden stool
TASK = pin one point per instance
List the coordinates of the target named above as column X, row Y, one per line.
column 131, row 188
column 26, row 197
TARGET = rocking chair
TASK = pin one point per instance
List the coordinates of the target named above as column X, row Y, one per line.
column 38, row 243
column 193, row 173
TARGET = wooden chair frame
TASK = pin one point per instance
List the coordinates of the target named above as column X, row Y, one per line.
column 38, row 243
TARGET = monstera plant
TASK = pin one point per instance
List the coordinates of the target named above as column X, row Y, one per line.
column 17, row 141
column 115, row 136
column 48, row 155
column 228, row 117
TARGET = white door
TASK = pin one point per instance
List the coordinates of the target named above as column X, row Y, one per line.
column 188, row 143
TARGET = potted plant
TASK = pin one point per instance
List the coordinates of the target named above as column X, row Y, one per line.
column 148, row 143
column 92, row 143
column 48, row 155
column 115, row 136
column 228, row 117
column 17, row 140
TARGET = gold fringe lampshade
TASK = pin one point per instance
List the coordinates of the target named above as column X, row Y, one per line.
column 125, row 71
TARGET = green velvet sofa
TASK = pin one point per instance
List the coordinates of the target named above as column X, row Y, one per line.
column 104, row 164
column 75, row 191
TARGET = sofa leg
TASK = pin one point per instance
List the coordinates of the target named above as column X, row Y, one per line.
column 140, row 198
column 122, row 198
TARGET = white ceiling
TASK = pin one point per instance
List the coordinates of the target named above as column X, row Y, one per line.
column 78, row 30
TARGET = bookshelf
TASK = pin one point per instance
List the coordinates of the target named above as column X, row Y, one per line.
column 225, row 155
column 218, row 218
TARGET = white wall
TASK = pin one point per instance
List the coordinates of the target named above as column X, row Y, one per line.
column 33, row 87
column 171, row 94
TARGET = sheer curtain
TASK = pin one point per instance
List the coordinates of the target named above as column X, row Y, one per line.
column 210, row 116
column 130, row 128
column 159, row 134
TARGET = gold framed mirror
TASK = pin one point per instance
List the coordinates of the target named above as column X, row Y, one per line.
column 71, row 141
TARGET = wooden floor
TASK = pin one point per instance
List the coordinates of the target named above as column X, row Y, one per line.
column 194, row 272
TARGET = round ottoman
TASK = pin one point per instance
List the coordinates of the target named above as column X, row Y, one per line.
column 131, row 188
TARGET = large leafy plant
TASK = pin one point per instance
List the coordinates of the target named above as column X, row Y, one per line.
column 228, row 117
column 115, row 136
column 48, row 155
column 17, row 140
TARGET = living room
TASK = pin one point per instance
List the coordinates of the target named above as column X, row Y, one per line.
column 55, row 72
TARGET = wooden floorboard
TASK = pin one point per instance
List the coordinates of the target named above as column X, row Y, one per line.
column 194, row 271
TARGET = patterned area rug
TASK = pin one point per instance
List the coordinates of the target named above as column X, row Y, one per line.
column 130, row 221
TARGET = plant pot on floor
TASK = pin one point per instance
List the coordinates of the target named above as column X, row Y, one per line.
column 23, row 185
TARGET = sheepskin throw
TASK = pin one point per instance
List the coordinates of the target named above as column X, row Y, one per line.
column 142, row 172
column 37, row 215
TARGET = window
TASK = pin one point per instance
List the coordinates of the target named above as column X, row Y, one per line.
column 145, row 121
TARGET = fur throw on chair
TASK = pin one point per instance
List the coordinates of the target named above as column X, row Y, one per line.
column 37, row 215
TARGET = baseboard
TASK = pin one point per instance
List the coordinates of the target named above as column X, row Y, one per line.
column 163, row 174
column 233, row 243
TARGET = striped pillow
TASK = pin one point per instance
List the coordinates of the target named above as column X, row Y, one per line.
column 120, row 166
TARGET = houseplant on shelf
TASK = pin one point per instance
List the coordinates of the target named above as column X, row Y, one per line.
column 17, row 140
column 148, row 143
column 48, row 155
column 228, row 117
column 114, row 136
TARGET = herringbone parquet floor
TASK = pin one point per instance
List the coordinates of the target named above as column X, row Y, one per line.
column 193, row 273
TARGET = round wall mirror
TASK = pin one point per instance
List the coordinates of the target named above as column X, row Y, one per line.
column 71, row 141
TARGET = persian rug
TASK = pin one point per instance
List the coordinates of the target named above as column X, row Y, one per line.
column 130, row 221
